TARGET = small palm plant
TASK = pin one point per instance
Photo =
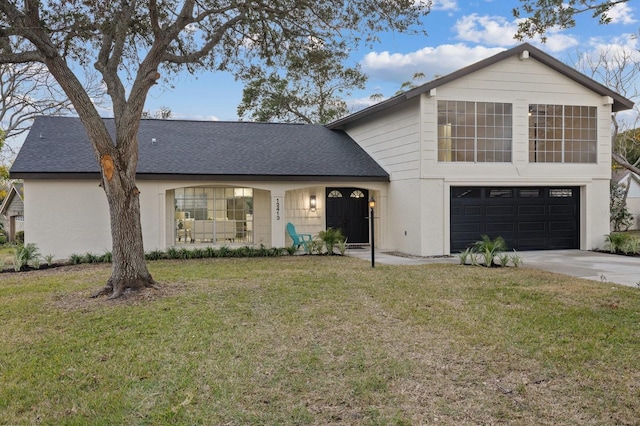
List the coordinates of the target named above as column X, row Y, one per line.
column 489, row 248
column 24, row 255
column 331, row 237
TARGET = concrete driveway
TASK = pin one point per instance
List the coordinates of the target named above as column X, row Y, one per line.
column 590, row 265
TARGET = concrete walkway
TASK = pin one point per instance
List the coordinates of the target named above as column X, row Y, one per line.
column 590, row 265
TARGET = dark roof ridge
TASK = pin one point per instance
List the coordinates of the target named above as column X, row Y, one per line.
column 191, row 120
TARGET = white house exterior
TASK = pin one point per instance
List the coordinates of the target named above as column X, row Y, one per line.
column 404, row 138
column 517, row 145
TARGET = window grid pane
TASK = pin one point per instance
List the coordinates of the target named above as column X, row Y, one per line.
column 562, row 134
column 213, row 215
column 474, row 131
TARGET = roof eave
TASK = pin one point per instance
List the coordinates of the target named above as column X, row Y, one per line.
column 198, row 177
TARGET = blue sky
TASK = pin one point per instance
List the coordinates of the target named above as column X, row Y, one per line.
column 459, row 33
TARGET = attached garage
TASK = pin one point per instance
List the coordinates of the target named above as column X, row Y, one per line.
column 528, row 218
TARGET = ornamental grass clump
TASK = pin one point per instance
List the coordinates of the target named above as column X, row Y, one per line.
column 622, row 242
column 485, row 251
column 489, row 249
column 24, row 255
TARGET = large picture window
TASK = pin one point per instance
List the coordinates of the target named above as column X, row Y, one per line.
column 216, row 215
column 562, row 134
column 477, row 132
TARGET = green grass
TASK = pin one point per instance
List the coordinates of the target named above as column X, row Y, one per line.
column 318, row 340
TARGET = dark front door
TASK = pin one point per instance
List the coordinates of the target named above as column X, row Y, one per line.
column 347, row 211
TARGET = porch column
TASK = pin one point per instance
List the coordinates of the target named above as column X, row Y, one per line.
column 277, row 220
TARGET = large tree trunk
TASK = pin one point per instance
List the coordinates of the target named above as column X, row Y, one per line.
column 129, row 270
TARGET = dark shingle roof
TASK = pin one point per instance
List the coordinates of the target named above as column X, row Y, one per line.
column 203, row 149
column 620, row 103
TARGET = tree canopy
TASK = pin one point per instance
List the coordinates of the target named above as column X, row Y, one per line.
column 305, row 86
column 538, row 16
column 133, row 43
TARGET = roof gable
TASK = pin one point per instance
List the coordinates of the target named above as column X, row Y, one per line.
column 172, row 148
column 14, row 191
column 620, row 103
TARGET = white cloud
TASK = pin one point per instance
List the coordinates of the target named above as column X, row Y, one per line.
column 432, row 61
column 444, row 5
column 626, row 44
column 621, row 13
column 499, row 31
column 557, row 42
column 495, row 30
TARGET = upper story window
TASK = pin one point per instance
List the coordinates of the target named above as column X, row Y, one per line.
column 562, row 134
column 476, row 132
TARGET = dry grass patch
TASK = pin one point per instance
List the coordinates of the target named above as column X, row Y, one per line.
column 319, row 340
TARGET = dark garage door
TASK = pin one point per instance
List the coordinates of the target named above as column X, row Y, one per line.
column 528, row 218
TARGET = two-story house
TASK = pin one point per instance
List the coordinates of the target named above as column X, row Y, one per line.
column 517, row 145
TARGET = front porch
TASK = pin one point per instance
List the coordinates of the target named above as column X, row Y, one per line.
column 216, row 215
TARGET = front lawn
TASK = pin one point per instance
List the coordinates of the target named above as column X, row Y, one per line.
column 318, row 340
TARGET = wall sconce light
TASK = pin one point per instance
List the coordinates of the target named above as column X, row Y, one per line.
column 312, row 203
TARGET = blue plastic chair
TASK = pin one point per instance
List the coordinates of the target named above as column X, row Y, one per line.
column 298, row 239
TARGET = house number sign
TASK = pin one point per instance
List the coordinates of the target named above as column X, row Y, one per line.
column 277, row 208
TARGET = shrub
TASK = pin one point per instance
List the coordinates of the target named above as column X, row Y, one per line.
column 489, row 248
column 464, row 255
column 155, row 255
column 75, row 259
column 276, row 251
column 48, row 259
column 615, row 241
column 198, row 253
column 504, row 258
column 107, row 257
column 20, row 237
column 23, row 255
column 632, row 246
column 91, row 258
column 316, row 246
column 223, row 251
column 515, row 259
column 620, row 217
column 342, row 247
column 211, row 252
column 331, row 237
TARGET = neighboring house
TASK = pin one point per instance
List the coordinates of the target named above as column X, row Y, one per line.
column 517, row 145
column 632, row 180
column 12, row 209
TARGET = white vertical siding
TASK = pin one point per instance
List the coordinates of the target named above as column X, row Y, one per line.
column 392, row 138
column 298, row 211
